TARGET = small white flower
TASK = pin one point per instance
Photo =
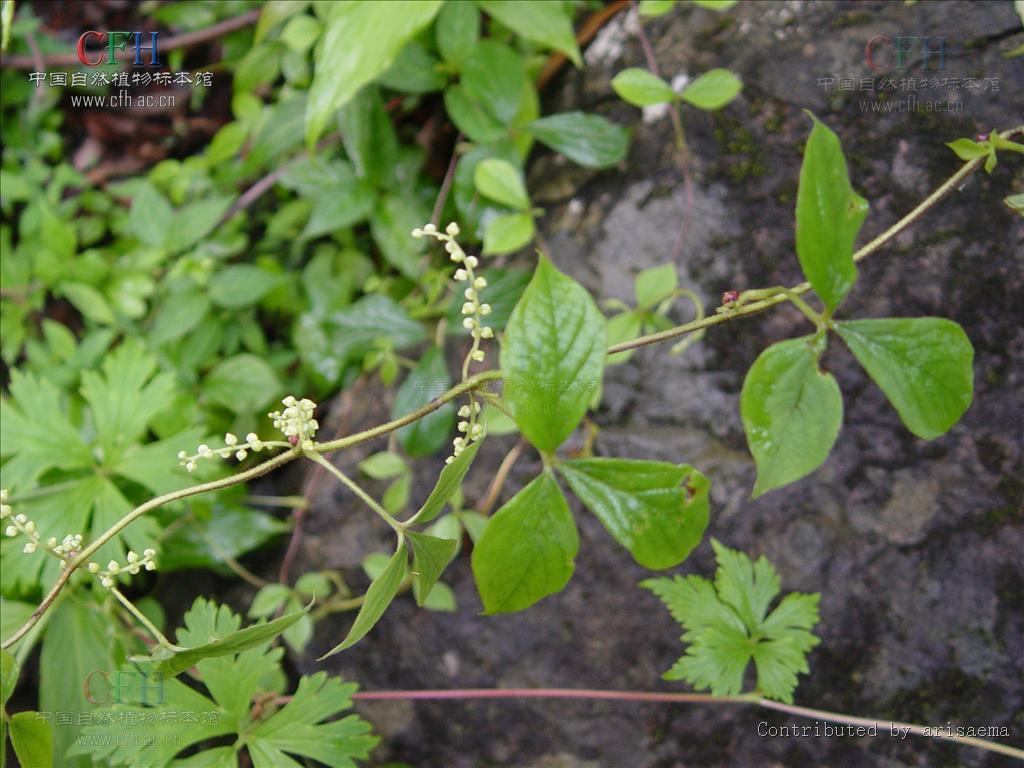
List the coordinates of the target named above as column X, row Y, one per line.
column 485, row 309
column 182, row 455
column 461, row 274
column 107, row 582
column 10, row 530
column 133, row 557
column 30, row 547
column 20, row 519
column 417, row 233
column 149, row 552
column 469, row 322
column 468, row 308
column 480, row 283
column 51, row 542
column 429, row 229
column 478, row 355
column 452, row 229
column 464, row 412
column 487, row 332
column 113, row 567
column 240, row 454
column 472, row 262
column 230, row 439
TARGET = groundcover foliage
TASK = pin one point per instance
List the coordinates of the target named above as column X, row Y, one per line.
column 165, row 313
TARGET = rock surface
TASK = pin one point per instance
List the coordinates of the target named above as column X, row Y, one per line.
column 916, row 547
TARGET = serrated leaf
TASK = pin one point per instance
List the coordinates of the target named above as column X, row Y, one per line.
column 378, row 597
column 656, row 510
column 923, row 364
column 552, row 356
column 449, row 481
column 725, row 627
column 527, row 550
column 297, row 728
column 502, row 182
column 227, row 645
column 642, row 88
column 588, row 140
column 712, row 90
column 541, row 21
column 828, row 216
column 431, row 556
column 361, row 40
column 791, row 413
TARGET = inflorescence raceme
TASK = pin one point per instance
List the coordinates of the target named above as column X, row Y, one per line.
column 68, row 549
column 296, row 422
column 474, row 312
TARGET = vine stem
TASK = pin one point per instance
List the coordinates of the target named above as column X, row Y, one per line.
column 141, row 618
column 590, row 694
column 471, row 384
column 758, row 306
column 353, row 486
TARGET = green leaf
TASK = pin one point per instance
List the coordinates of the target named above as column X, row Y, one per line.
column 393, row 220
column 32, row 739
column 8, row 674
column 268, row 600
column 362, row 38
column 441, row 599
column 378, row 597
column 642, row 88
column 151, row 217
column 457, row 30
column 429, row 379
column 507, row 234
column 430, row 556
column 654, row 284
column 493, row 75
column 828, row 216
column 967, row 150
column 504, row 287
column 448, row 483
column 225, row 645
column 527, row 549
column 88, row 301
column 297, row 728
column 656, row 510
column 1015, row 203
column 623, row 327
column 301, row 33
column 242, row 383
column 241, row 285
column 716, row 5
column 791, row 412
column 552, row 356
column 712, row 90
column 178, row 315
column 470, row 117
column 502, row 182
column 416, row 70
column 540, row 21
column 369, row 137
column 588, row 140
column 396, row 496
column 725, row 627
column 383, row 466
column 923, row 364
column 655, row 7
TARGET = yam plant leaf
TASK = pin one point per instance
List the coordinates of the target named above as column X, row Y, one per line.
column 378, row 597
column 229, row 644
column 552, row 356
column 828, row 216
column 791, row 413
column 430, row 556
column 526, row 551
column 656, row 510
column 448, row 483
column 923, row 364
column 725, row 626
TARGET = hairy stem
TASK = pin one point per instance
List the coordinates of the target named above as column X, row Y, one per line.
column 684, row 698
column 141, row 618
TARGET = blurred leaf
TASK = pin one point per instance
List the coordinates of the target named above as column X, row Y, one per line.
column 242, row 383
column 712, row 90
column 589, row 140
column 507, row 234
column 429, row 379
column 457, row 30
column 642, row 88
column 541, row 21
column 362, row 38
column 241, row 285
column 502, row 182
column 414, row 71
column 493, row 75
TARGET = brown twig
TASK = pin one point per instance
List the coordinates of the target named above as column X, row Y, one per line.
column 500, row 477
column 187, row 40
column 446, row 184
